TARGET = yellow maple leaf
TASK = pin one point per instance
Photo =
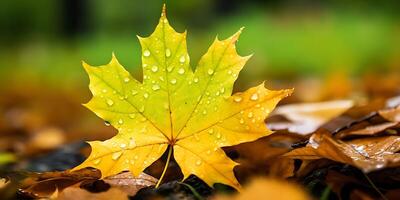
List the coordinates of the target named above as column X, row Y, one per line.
column 191, row 113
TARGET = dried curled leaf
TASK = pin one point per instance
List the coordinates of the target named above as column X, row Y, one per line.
column 192, row 112
column 305, row 118
column 367, row 154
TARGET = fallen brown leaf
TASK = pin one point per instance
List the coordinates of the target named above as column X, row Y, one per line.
column 367, row 154
column 305, row 118
column 392, row 114
column 44, row 185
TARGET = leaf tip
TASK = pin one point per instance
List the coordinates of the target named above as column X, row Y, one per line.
column 164, row 11
column 85, row 65
column 235, row 36
column 114, row 59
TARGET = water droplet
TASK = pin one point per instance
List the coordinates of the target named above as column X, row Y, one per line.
column 120, row 121
column 181, row 71
column 222, row 90
column 97, row 161
column 144, row 65
column 141, row 109
column 170, row 68
column 173, row 81
column 182, row 59
column 250, row 114
column 155, row 87
column 165, row 21
column 110, row 102
column 133, row 115
column 234, row 75
column 254, row 97
column 198, row 162
column 146, row 95
column 241, row 121
column 237, row 99
column 116, row 155
column 134, row 92
column 167, row 52
column 196, row 80
column 229, row 71
column 154, row 68
column 217, row 93
column 218, row 135
column 126, row 79
column 208, row 152
column 204, row 112
column 146, row 53
column 122, row 145
column 211, row 131
column 136, row 157
column 107, row 123
column 196, row 136
column 104, row 90
column 132, row 143
column 210, row 71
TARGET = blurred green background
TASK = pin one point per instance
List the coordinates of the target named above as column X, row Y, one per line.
column 46, row 40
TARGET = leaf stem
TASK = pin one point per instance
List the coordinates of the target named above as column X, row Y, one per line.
column 165, row 167
column 374, row 186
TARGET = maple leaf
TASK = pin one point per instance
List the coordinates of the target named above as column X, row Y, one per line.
column 191, row 113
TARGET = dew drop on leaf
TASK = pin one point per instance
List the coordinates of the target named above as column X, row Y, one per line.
column 182, row 59
column 146, row 53
column 107, row 123
column 97, row 161
column 173, row 81
column 120, row 121
column 170, row 68
column 134, row 92
column 167, row 52
column 198, row 162
column 254, row 97
column 181, row 71
column 116, row 155
column 154, row 68
column 237, row 99
column 126, row 80
column 155, row 87
column 110, row 102
column 132, row 115
column 122, row 145
column 250, row 115
column 196, row 80
column 132, row 143
column 210, row 71
column 146, row 95
column 196, row 136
